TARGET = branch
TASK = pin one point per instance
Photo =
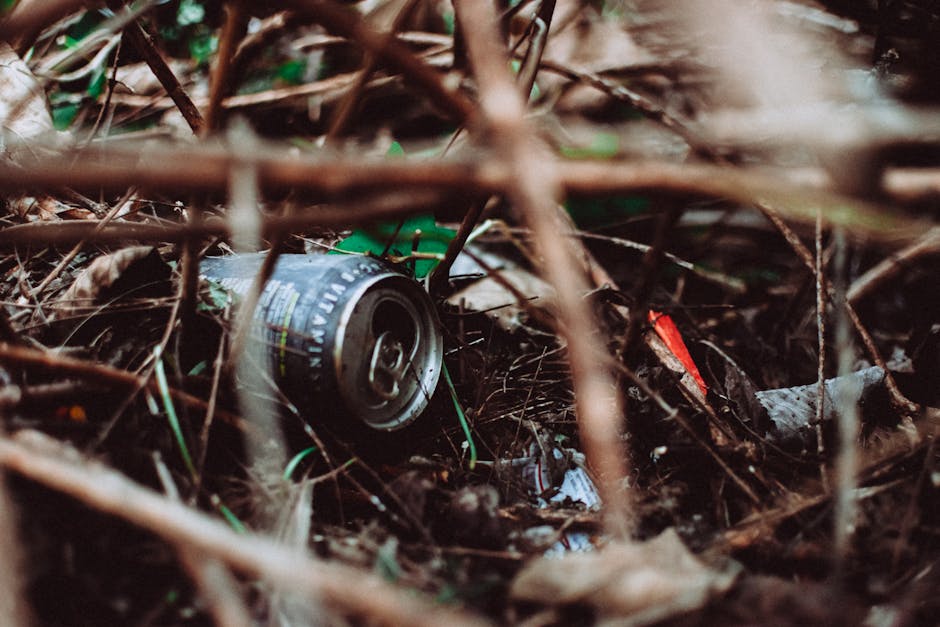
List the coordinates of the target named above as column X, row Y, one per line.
column 62, row 468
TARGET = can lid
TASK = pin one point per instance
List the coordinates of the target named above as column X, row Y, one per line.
column 388, row 351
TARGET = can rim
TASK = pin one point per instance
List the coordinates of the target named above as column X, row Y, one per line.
column 428, row 330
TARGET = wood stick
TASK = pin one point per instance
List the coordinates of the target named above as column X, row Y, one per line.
column 346, row 589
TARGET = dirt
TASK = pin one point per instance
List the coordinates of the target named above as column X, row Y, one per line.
column 732, row 518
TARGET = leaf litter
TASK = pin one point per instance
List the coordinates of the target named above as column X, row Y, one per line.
column 733, row 495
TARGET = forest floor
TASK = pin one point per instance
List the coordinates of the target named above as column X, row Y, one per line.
column 653, row 235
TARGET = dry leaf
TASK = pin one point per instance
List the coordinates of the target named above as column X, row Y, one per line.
column 492, row 298
column 793, row 409
column 100, row 275
column 24, row 113
column 627, row 583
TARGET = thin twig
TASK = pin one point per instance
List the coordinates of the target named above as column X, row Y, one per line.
column 924, row 248
column 845, row 513
column 99, row 226
column 899, row 400
column 222, row 79
column 13, row 608
column 441, row 273
column 821, row 348
column 143, row 43
column 348, row 105
column 19, row 356
column 218, row 588
column 649, row 271
column 342, row 21
column 206, row 168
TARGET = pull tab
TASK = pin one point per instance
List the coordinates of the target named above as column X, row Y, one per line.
column 387, row 367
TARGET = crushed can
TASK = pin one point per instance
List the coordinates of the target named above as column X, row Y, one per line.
column 344, row 332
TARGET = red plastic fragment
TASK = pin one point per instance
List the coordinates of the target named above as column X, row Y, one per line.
column 667, row 331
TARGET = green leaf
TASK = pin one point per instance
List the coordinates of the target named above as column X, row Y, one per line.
column 602, row 146
column 395, row 150
column 170, row 410
column 98, row 79
column 431, row 239
column 386, row 562
column 292, row 72
column 64, row 114
column 450, row 21
column 597, row 212
column 202, row 46
column 190, row 12
column 461, row 418
column 82, row 28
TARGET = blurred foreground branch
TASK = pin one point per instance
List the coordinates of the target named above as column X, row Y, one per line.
column 178, row 171
column 61, row 467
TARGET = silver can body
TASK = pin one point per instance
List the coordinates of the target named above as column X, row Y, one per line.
column 342, row 332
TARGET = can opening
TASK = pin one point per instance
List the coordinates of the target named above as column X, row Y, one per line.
column 395, row 335
column 390, row 317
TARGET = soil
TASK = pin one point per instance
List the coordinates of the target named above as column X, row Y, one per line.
column 458, row 506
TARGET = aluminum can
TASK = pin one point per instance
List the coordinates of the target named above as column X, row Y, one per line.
column 344, row 332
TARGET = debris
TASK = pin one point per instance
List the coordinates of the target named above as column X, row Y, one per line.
column 627, row 583
column 793, row 410
column 101, row 278
column 343, row 328
column 557, row 476
column 490, row 296
column 25, row 120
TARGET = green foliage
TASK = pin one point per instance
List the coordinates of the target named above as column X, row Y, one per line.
column 191, row 31
column 596, row 212
column 296, row 460
column 418, row 234
column 461, row 418
column 6, row 5
column 386, row 562
column 292, row 72
column 430, row 238
column 602, row 146
column 202, row 46
column 170, row 410
column 82, row 28
column 98, row 81
column 65, row 108
column 190, row 12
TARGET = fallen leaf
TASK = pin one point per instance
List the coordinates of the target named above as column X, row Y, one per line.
column 25, row 120
column 100, row 275
column 492, row 298
column 793, row 409
column 627, row 583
